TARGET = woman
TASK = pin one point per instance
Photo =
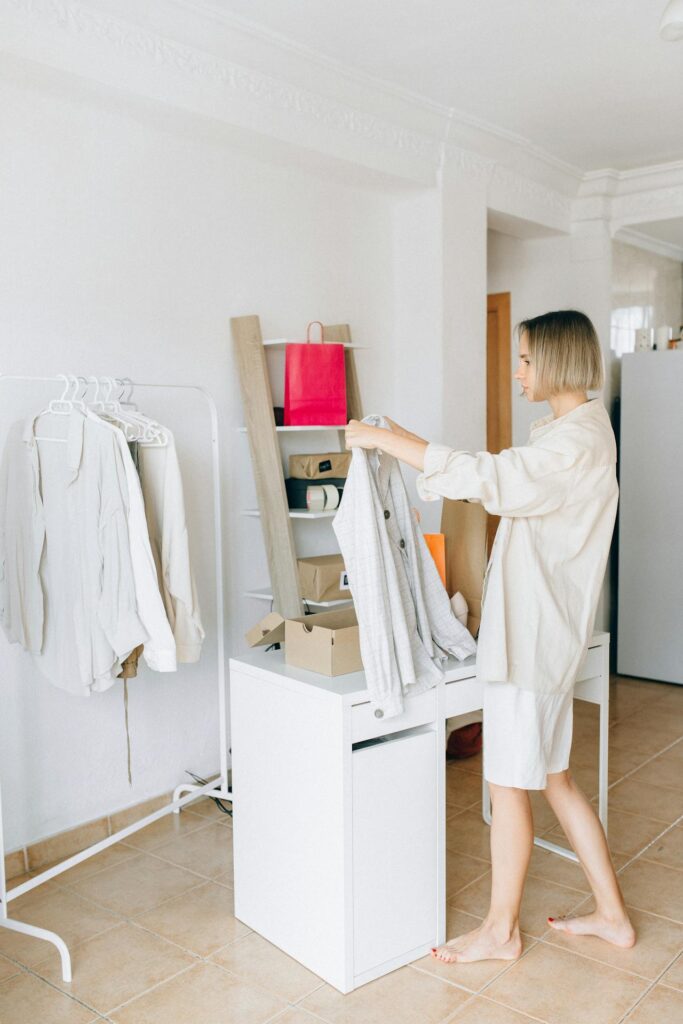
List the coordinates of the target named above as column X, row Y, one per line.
column 557, row 499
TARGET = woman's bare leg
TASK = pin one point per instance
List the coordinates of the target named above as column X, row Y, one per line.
column 609, row 920
column 512, row 837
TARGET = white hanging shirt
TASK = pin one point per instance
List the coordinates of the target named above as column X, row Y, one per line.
column 159, row 650
column 557, row 498
column 406, row 624
column 162, row 488
column 67, row 591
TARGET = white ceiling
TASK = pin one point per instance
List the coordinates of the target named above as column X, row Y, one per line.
column 588, row 81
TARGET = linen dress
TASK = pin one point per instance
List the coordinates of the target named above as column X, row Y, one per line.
column 557, row 498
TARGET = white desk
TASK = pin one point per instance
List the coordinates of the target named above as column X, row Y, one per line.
column 339, row 836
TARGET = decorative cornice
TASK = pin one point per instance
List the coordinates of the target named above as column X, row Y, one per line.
column 533, row 191
column 135, row 42
column 643, row 241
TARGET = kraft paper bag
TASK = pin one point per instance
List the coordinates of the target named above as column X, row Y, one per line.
column 464, row 524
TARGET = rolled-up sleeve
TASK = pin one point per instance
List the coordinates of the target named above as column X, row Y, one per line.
column 525, row 481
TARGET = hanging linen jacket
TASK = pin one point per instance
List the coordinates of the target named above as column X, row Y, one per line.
column 159, row 650
column 67, row 592
column 557, row 498
column 162, row 488
column 406, row 624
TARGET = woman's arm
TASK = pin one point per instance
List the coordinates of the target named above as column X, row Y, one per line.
column 400, row 443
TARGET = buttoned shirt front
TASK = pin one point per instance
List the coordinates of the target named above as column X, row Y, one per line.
column 406, row 624
column 557, row 498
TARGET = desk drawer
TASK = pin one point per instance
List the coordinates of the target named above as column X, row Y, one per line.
column 365, row 724
column 591, row 665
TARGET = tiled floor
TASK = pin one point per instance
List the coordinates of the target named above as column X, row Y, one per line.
column 154, row 940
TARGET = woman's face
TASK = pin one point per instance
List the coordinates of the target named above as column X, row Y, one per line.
column 526, row 372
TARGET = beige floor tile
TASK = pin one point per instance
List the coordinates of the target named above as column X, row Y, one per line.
column 117, row 966
column 295, row 1015
column 49, row 886
column 668, row 850
column 657, row 943
column 226, row 877
column 58, row 910
column 639, row 736
column 207, row 851
column 653, row 887
column 7, row 968
column 26, row 999
column 627, row 833
column 562, row 988
column 468, row 833
column 648, row 800
column 664, row 770
column 674, row 976
column 257, row 962
column 543, row 814
column 462, row 788
column 171, row 826
column 205, row 995
column 208, row 809
column 405, row 996
column 200, row 920
column 484, row 1011
column 660, row 1006
column 554, row 868
column 461, row 870
column 137, row 885
column 469, row 976
column 541, row 899
column 110, row 857
column 468, row 764
column 623, row 760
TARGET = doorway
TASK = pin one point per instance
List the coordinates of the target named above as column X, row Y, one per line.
column 498, row 388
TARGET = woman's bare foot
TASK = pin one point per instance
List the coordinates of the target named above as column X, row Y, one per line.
column 619, row 932
column 484, row 943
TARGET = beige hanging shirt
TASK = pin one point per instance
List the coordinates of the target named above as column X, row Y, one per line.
column 557, row 498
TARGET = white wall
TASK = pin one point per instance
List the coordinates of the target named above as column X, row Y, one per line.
column 537, row 273
column 126, row 249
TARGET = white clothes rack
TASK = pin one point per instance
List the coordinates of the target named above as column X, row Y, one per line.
column 217, row 788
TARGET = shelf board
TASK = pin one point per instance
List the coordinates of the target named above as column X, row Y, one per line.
column 281, row 342
column 336, row 426
column 296, row 513
column 266, row 595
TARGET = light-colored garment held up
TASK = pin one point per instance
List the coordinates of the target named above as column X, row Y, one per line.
column 557, row 498
column 406, row 624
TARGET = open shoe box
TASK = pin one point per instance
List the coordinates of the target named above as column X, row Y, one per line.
column 326, row 643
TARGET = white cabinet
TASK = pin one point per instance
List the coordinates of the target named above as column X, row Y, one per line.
column 339, row 814
column 395, row 846
column 338, row 835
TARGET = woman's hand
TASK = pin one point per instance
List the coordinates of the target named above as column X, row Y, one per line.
column 361, row 435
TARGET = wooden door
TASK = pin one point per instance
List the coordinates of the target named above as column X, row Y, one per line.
column 498, row 375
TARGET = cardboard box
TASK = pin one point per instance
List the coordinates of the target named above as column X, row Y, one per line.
column 464, row 524
column 270, row 630
column 319, row 466
column 327, row 643
column 323, row 578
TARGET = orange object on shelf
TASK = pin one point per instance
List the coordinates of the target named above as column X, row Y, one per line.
column 436, row 542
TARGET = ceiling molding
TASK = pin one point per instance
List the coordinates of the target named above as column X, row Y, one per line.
column 641, row 240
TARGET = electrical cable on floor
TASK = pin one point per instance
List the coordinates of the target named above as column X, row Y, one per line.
column 218, row 802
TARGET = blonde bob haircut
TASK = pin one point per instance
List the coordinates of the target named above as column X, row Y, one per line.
column 565, row 351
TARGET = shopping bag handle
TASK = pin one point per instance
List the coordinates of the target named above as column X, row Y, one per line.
column 322, row 332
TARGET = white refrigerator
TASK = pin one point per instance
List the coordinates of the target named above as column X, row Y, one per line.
column 650, row 575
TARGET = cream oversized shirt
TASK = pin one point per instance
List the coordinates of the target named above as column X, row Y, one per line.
column 557, row 498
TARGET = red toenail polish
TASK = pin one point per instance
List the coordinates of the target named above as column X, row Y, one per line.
column 551, row 919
